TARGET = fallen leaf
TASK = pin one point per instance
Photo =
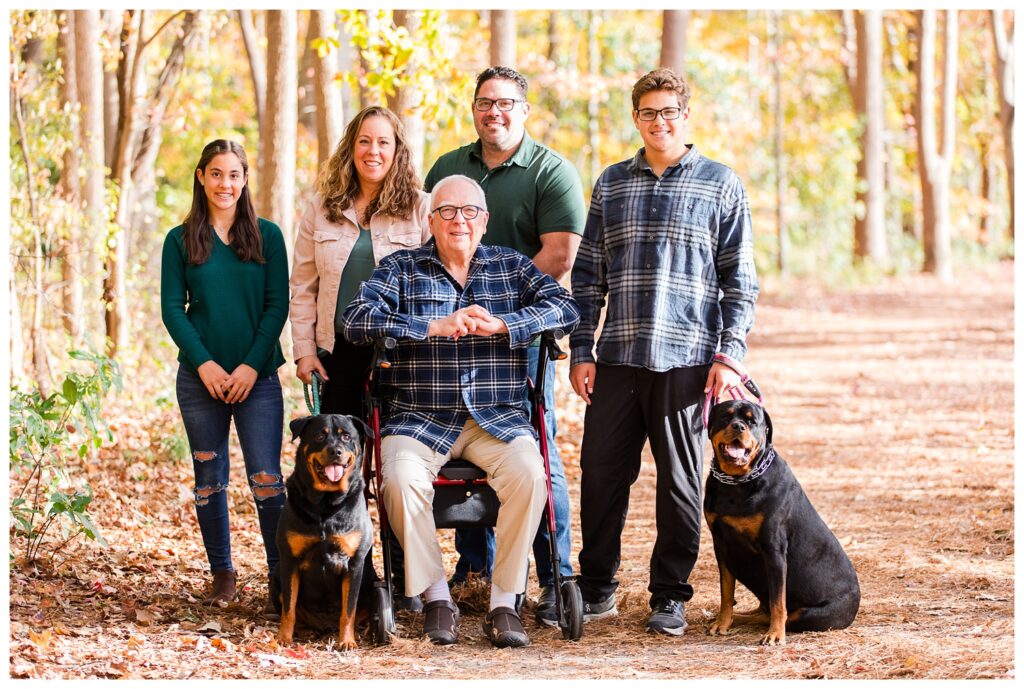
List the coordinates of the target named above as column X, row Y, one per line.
column 42, row 639
column 213, row 627
column 146, row 617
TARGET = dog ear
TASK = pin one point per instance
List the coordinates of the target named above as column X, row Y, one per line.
column 298, row 425
column 768, row 426
column 361, row 425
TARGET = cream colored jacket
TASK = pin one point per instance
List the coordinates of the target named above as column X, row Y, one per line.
column 321, row 250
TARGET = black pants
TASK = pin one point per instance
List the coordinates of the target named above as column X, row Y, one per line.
column 347, row 367
column 628, row 406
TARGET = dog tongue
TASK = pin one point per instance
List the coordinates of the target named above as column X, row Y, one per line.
column 736, row 451
column 334, row 472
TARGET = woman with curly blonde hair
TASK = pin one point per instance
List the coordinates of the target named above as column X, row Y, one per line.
column 369, row 203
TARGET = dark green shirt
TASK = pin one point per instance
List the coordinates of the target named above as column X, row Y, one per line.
column 226, row 309
column 358, row 268
column 534, row 192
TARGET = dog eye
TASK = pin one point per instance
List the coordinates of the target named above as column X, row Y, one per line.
column 322, row 435
column 346, row 437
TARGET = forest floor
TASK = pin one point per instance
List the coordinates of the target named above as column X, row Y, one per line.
column 893, row 404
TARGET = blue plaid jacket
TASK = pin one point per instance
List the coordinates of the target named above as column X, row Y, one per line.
column 435, row 384
column 674, row 257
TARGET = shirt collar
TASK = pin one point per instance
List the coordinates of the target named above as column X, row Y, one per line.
column 640, row 163
column 521, row 157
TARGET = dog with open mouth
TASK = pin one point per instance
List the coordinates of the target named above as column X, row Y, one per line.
column 325, row 532
column 768, row 536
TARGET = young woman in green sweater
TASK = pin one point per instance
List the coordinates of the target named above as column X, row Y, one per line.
column 224, row 301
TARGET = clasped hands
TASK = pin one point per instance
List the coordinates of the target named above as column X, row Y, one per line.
column 471, row 320
column 233, row 388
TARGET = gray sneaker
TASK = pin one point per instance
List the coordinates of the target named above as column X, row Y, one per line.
column 667, row 617
column 600, row 610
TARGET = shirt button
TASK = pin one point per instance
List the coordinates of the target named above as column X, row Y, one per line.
column 648, row 265
column 654, row 210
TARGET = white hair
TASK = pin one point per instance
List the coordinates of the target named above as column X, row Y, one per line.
column 454, row 178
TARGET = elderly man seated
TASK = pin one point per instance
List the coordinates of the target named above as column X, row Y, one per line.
column 463, row 315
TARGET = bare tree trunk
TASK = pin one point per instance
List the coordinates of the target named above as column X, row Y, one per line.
column 935, row 164
column 110, row 26
column 503, row 38
column 89, row 82
column 774, row 47
column 70, row 190
column 1004, row 76
column 347, row 62
column 869, row 229
column 277, row 162
column 306, row 97
column 673, row 40
column 368, row 96
column 554, row 38
column 257, row 70
column 407, row 98
column 329, row 114
column 986, row 221
column 137, row 114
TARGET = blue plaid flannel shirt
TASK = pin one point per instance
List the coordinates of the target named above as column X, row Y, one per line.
column 435, row 384
column 674, row 256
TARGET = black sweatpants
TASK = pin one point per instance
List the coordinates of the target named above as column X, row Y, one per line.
column 628, row 406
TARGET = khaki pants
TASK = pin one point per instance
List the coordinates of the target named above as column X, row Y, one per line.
column 515, row 471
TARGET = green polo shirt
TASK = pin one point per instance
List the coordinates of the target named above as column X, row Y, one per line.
column 534, row 192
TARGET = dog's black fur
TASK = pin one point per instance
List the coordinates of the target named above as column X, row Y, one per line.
column 769, row 537
column 325, row 532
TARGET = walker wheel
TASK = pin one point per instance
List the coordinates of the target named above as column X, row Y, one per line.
column 382, row 616
column 572, row 611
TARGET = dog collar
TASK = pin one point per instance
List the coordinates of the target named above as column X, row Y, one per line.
column 766, row 461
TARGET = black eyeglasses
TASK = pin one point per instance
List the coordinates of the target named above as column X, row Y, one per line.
column 448, row 212
column 504, row 104
column 650, row 114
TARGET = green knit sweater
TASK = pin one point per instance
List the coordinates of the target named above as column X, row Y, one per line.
column 226, row 309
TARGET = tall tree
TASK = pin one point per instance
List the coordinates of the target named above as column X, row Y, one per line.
column 406, row 100
column 110, row 26
column 864, row 77
column 140, row 110
column 89, row 81
column 935, row 164
column 329, row 115
column 257, row 68
column 1004, row 76
column 277, row 160
column 503, row 38
column 673, row 40
column 593, row 101
column 71, row 271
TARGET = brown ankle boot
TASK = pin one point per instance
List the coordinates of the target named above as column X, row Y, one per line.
column 223, row 588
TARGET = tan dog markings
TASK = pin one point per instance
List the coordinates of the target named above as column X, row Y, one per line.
column 347, row 622
column 727, row 584
column 747, row 526
column 284, row 634
column 348, row 542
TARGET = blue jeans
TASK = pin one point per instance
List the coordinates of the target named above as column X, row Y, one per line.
column 259, row 421
column 476, row 546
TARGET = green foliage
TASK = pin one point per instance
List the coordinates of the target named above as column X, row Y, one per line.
column 44, row 434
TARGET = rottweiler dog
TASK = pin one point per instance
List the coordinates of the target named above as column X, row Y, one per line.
column 325, row 532
column 768, row 536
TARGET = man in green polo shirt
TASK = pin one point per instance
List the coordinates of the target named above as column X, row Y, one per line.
column 536, row 206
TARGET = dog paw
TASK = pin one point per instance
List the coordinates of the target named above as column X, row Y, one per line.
column 718, row 629
column 774, row 639
column 284, row 639
column 347, row 645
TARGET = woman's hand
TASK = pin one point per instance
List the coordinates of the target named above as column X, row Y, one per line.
column 213, row 377
column 306, row 365
column 239, row 384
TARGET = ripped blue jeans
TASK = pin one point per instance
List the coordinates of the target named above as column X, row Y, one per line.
column 259, row 422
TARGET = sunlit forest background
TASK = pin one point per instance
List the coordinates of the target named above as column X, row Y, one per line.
column 872, row 144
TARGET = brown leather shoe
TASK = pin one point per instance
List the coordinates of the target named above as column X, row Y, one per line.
column 224, row 590
column 504, row 628
column 441, row 622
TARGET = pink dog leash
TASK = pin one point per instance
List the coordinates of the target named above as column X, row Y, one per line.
column 710, row 400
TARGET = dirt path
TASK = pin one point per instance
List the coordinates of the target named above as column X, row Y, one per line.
column 894, row 406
